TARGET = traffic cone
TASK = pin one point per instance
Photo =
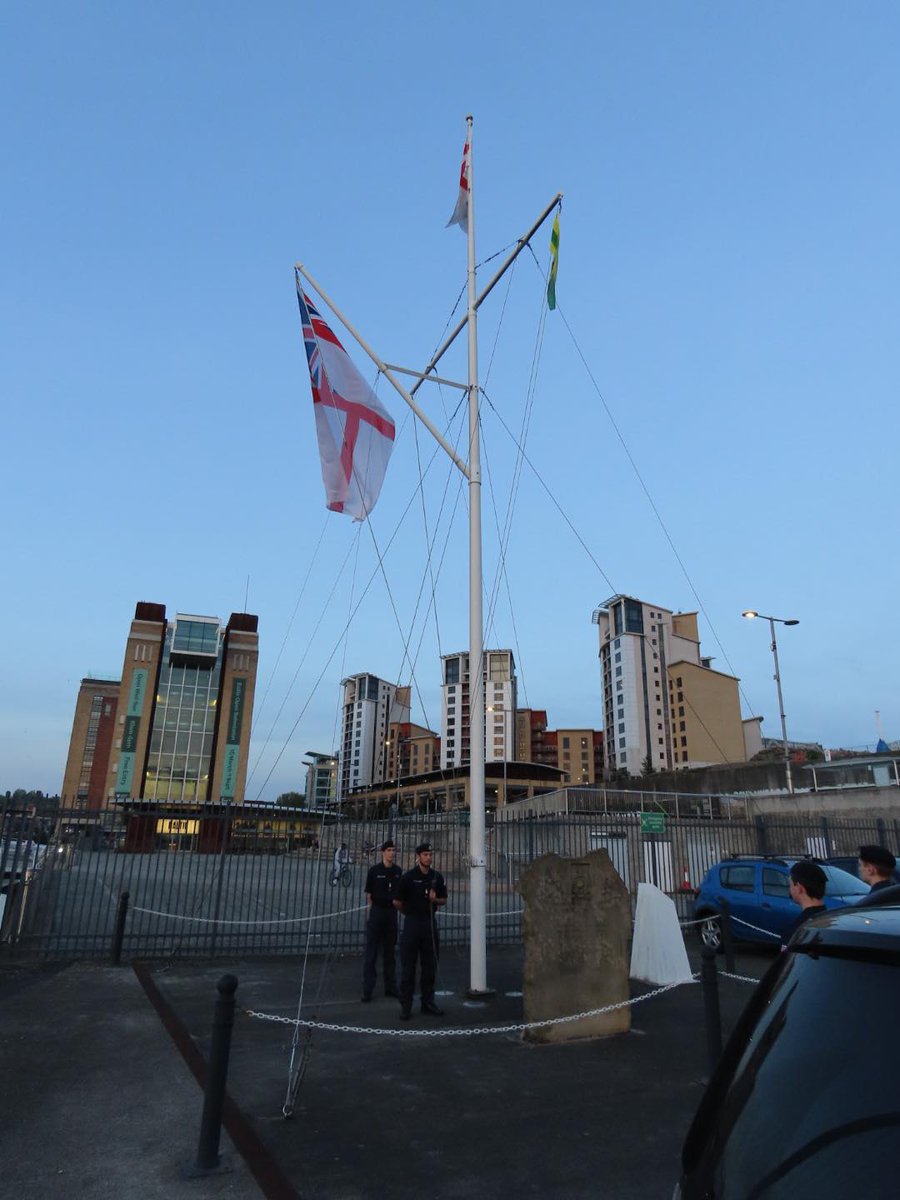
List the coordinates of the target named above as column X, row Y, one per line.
column 686, row 885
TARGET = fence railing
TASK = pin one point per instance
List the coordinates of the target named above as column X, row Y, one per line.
column 225, row 892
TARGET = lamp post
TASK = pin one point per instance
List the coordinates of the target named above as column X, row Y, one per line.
column 751, row 613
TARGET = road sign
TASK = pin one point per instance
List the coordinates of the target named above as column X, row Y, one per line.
column 653, row 822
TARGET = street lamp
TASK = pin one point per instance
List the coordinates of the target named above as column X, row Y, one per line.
column 750, row 613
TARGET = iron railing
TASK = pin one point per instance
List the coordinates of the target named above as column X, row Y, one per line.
column 269, row 892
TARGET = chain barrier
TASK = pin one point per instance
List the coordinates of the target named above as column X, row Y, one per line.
column 699, row 921
column 767, row 932
column 479, row 1031
column 463, row 916
column 218, row 921
column 739, row 978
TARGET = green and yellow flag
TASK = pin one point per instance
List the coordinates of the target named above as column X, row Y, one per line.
column 554, row 264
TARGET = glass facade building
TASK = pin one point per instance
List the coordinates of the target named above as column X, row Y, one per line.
column 187, row 696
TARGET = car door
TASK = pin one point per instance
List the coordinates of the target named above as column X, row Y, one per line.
column 777, row 911
column 739, row 889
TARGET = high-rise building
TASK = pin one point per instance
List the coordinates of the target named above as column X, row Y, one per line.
column 181, row 714
column 321, row 779
column 663, row 703
column 499, row 684
column 370, row 707
column 85, row 782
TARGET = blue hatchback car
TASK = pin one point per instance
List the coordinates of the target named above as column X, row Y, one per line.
column 757, row 892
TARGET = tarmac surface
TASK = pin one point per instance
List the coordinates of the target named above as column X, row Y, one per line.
column 103, row 1068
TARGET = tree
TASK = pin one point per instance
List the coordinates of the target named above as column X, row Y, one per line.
column 647, row 768
column 291, row 800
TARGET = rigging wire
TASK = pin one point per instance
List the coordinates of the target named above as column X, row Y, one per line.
column 550, row 495
column 325, row 608
column 644, row 487
column 262, row 703
column 429, row 566
column 352, row 616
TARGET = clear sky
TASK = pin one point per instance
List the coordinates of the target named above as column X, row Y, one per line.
column 728, row 268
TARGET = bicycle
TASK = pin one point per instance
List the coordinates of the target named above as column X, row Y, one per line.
column 344, row 875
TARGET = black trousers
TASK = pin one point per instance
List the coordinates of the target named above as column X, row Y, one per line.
column 418, row 942
column 381, row 934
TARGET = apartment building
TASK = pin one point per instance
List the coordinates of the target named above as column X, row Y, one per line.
column 663, row 703
column 321, row 779
column 498, row 681
column 411, row 750
column 578, row 752
column 370, row 706
column 176, row 727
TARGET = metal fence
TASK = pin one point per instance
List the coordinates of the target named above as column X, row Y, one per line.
column 64, row 874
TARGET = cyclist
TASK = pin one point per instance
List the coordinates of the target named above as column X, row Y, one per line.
column 341, row 860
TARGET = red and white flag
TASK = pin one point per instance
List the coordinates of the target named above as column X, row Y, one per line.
column 461, row 212
column 355, row 431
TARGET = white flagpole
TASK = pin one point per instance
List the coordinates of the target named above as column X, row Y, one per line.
column 477, row 880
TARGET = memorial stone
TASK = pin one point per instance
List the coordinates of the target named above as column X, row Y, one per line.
column 577, row 924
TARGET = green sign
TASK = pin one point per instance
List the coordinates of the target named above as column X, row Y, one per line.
column 136, row 694
column 232, row 740
column 653, row 822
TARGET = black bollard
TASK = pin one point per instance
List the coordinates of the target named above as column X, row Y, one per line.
column 727, row 936
column 119, row 932
column 709, row 980
column 217, row 1074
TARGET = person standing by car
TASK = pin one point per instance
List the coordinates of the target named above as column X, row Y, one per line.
column 422, row 891
column 807, row 888
column 382, row 883
column 876, row 867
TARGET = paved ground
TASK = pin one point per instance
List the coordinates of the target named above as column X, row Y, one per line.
column 100, row 1098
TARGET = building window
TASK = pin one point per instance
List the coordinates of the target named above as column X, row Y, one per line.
column 681, row 710
column 621, row 743
column 618, row 672
column 681, row 727
column 622, row 727
column 684, row 741
column 565, row 743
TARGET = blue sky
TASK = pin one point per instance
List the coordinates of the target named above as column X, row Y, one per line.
column 728, row 267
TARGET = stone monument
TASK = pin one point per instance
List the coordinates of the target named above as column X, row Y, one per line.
column 577, row 925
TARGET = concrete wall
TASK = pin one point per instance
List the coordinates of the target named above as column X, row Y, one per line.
column 860, row 803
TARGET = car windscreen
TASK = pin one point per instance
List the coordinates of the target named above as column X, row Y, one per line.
column 813, row 1092
column 842, row 883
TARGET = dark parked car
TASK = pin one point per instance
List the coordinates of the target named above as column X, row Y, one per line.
column 756, row 889
column 804, row 1101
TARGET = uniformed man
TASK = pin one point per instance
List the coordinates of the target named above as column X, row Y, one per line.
column 422, row 892
column 382, row 884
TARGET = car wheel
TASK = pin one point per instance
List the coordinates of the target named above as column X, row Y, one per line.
column 711, row 932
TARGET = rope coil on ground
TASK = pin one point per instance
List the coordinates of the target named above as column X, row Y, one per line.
column 468, row 1032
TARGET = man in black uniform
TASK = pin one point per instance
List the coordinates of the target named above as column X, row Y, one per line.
column 422, row 891
column 382, row 884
